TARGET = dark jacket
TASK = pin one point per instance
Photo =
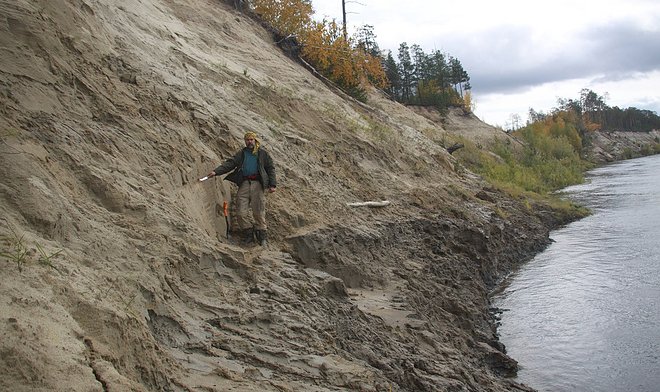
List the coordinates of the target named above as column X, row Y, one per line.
column 264, row 163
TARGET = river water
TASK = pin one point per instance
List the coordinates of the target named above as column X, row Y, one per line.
column 584, row 315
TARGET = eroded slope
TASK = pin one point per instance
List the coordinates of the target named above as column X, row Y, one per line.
column 111, row 111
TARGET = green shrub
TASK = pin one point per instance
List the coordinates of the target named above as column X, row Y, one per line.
column 547, row 162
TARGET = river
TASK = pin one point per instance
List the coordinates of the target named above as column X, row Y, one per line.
column 584, row 315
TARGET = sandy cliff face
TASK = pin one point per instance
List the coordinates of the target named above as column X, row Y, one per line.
column 608, row 146
column 117, row 274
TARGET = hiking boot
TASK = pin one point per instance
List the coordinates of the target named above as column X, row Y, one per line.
column 262, row 236
column 247, row 236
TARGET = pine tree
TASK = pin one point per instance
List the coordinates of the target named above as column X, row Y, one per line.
column 406, row 71
column 392, row 73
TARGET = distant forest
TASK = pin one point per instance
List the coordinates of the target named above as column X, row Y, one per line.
column 597, row 115
column 414, row 77
column 555, row 148
column 434, row 79
column 352, row 63
column 419, row 78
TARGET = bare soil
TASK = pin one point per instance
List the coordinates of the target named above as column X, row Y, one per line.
column 111, row 111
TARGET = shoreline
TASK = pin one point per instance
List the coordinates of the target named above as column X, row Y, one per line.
column 627, row 139
column 120, row 275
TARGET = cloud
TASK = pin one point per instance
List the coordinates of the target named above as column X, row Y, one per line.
column 522, row 54
column 624, row 48
column 513, row 60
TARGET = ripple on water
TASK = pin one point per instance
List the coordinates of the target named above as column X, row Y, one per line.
column 585, row 314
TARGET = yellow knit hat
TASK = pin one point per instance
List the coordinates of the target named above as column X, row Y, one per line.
column 253, row 135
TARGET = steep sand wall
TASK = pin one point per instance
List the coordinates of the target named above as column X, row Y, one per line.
column 116, row 273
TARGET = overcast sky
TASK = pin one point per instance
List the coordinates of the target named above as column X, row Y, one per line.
column 521, row 54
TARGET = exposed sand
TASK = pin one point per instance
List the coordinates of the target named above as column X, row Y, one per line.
column 112, row 110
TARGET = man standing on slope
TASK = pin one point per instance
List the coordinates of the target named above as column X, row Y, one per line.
column 253, row 172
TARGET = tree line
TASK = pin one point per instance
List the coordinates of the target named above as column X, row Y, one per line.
column 428, row 79
column 418, row 78
column 554, row 154
column 346, row 61
column 594, row 114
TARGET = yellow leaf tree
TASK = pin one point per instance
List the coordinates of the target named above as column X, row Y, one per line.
column 324, row 45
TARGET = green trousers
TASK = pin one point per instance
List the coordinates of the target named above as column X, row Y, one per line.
column 251, row 196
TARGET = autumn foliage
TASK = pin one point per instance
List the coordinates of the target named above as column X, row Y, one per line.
column 288, row 16
column 324, row 46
